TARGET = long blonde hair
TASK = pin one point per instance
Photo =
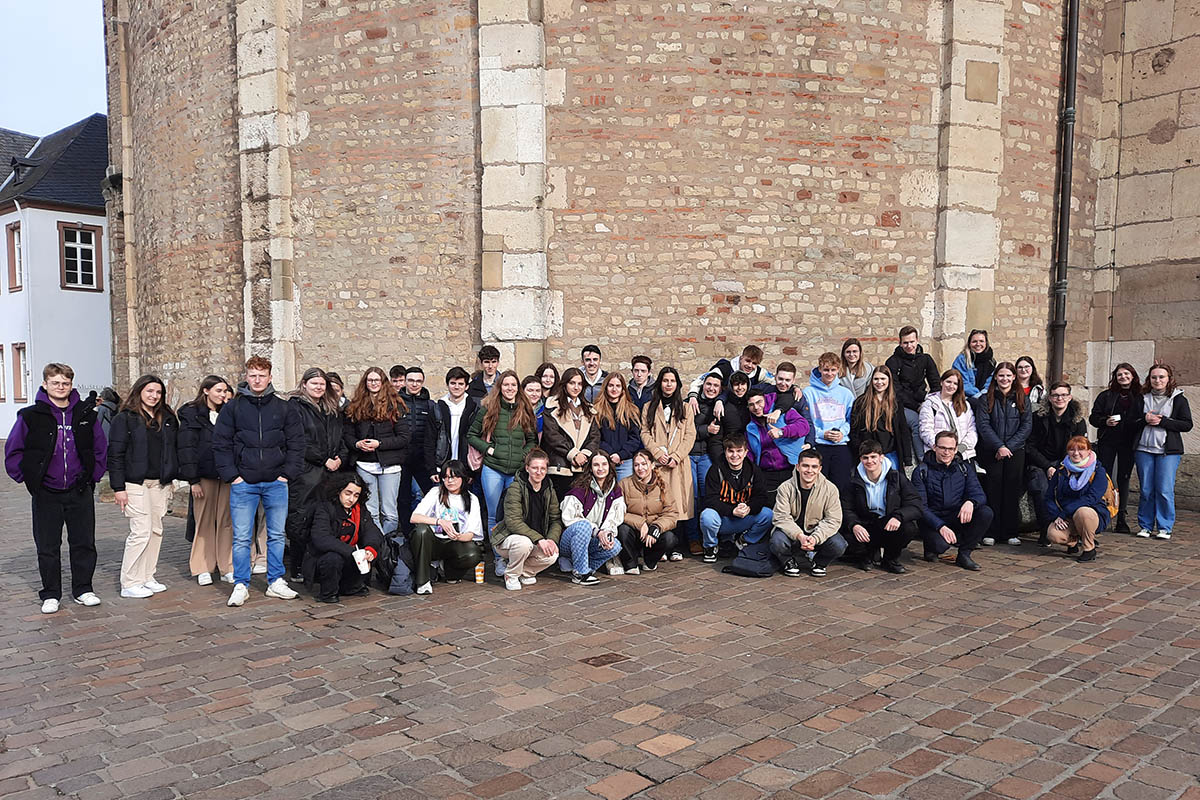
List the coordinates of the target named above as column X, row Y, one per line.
column 627, row 413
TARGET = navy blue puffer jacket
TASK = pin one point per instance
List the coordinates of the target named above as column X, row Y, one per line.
column 258, row 438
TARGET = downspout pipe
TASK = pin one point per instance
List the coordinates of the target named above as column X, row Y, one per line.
column 1066, row 162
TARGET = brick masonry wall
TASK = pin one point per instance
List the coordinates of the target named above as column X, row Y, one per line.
column 740, row 174
column 185, row 188
column 386, row 185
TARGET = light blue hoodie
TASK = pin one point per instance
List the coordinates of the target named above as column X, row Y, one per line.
column 876, row 490
column 830, row 407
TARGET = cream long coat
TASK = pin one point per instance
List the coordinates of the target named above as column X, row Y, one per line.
column 676, row 440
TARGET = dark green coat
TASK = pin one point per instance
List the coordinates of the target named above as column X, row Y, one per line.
column 508, row 446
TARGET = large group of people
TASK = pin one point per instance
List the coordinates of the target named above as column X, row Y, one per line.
column 594, row 471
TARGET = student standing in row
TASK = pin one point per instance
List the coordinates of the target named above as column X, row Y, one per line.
column 417, row 479
column 915, row 375
column 59, row 452
column 830, row 404
column 975, row 363
column 212, row 544
column 948, row 410
column 855, row 373
column 1115, row 415
column 593, row 375
column 485, row 379
column 640, row 387
column 531, row 387
column 877, row 415
column 142, row 463
column 504, row 431
column 619, row 422
column 668, row 432
column 377, row 434
column 450, row 423
column 1164, row 417
column 1003, row 417
column 569, row 432
column 323, row 454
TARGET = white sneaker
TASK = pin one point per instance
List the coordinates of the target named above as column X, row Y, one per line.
column 1163, row 535
column 238, row 595
column 501, row 566
column 204, row 579
column 227, row 577
column 528, row 580
column 512, row 583
column 613, row 569
column 988, row 541
column 88, row 599
column 425, row 588
column 279, row 588
column 258, row 569
column 136, row 592
column 1143, row 534
column 633, row 571
column 49, row 606
column 1015, row 542
column 155, row 586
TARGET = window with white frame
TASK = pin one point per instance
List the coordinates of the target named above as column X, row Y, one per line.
column 16, row 266
column 80, row 259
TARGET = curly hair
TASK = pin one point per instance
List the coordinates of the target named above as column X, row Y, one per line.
column 340, row 480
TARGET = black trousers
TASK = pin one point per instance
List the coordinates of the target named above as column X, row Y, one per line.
column 772, row 480
column 458, row 558
column 1003, row 484
column 335, row 574
column 302, row 502
column 633, row 548
column 968, row 535
column 837, row 464
column 891, row 542
column 406, row 502
column 76, row 509
column 1122, row 458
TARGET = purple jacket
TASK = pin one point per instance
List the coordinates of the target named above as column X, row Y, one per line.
column 781, row 453
column 63, row 469
column 587, row 498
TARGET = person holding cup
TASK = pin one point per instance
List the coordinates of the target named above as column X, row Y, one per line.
column 1114, row 414
column 448, row 528
column 344, row 542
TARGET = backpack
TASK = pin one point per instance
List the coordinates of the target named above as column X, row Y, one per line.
column 754, row 561
column 1110, row 498
column 399, row 579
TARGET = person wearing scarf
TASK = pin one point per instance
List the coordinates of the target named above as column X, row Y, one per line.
column 341, row 525
column 1075, row 500
column 592, row 512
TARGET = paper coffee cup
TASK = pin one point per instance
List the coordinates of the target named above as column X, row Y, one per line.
column 360, row 558
column 1115, row 417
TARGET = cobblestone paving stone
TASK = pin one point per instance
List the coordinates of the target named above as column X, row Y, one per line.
column 1038, row 677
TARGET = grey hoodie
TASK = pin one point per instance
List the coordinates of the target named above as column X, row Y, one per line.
column 1154, row 437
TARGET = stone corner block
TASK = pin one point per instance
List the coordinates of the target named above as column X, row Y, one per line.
column 520, row 314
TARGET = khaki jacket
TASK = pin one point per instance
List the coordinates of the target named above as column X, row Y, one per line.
column 676, row 439
column 654, row 507
column 822, row 517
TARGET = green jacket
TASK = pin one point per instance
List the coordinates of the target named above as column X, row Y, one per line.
column 508, row 446
column 516, row 499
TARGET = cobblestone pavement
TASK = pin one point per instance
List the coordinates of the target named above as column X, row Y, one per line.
column 1038, row 677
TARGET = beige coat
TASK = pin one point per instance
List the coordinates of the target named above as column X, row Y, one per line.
column 654, row 507
column 822, row 517
column 676, row 440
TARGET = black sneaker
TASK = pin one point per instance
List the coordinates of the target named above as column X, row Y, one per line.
column 1087, row 555
column 584, row 580
column 791, row 568
column 930, row 556
column 710, row 555
column 1121, row 527
column 894, row 566
column 1073, row 549
column 323, row 599
column 817, row 571
column 739, row 542
column 864, row 564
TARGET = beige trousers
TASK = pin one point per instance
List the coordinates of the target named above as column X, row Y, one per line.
column 524, row 558
column 1081, row 529
column 213, row 546
column 147, row 504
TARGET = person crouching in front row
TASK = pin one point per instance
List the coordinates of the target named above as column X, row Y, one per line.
column 447, row 528
column 807, row 518
column 880, row 510
column 591, row 513
column 341, row 528
column 526, row 536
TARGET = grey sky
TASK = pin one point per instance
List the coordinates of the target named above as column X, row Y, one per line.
column 51, row 63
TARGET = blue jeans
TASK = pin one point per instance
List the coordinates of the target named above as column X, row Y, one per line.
column 1156, row 488
column 753, row 527
column 582, row 549
column 382, row 502
column 243, row 508
column 700, row 467
column 624, row 469
column 913, row 418
column 494, row 484
column 894, row 457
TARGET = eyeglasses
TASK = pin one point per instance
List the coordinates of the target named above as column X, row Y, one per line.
column 944, row 448
column 1059, row 395
column 59, row 384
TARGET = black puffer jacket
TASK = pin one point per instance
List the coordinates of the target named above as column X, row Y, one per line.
column 702, row 420
column 195, row 444
column 1048, row 441
column 1004, row 426
column 1128, row 406
column 898, row 440
column 333, row 532
column 258, row 438
column 420, row 411
column 322, row 434
column 392, row 436
column 129, row 448
column 915, row 376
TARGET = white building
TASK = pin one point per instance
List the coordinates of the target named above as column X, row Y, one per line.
column 54, row 292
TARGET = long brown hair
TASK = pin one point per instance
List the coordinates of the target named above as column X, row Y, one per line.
column 561, row 398
column 1171, row 386
column 1016, row 390
column 209, row 382
column 133, row 401
column 522, row 415
column 627, row 413
column 1135, row 385
column 857, row 369
column 878, row 409
column 585, row 478
column 656, row 478
column 383, row 406
column 959, row 399
column 328, row 404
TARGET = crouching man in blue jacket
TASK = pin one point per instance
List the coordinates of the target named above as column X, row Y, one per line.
column 956, row 510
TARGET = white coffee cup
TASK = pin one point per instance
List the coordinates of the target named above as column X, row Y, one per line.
column 360, row 558
column 1115, row 417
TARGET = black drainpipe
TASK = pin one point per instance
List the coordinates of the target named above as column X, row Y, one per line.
column 1066, row 160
